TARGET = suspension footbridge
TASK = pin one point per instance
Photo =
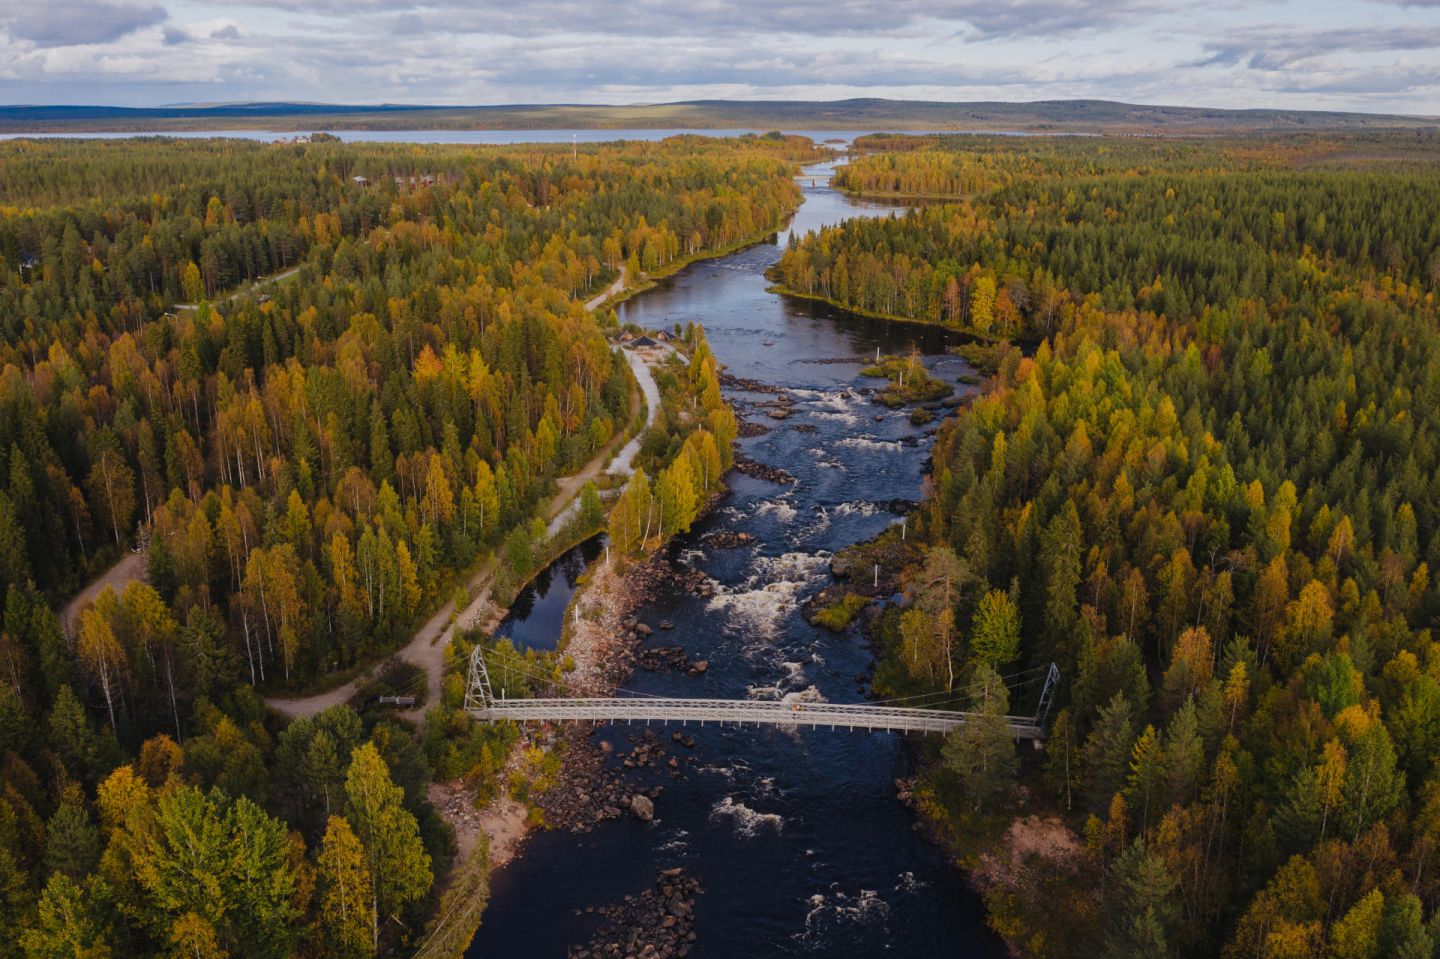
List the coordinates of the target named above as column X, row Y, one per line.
column 483, row 705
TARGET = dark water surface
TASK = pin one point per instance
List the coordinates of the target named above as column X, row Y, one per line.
column 535, row 618
column 797, row 836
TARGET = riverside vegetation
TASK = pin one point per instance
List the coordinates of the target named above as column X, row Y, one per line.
column 1210, row 495
column 313, row 463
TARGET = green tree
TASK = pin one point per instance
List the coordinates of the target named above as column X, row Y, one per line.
column 1107, row 752
column 398, row 864
column 347, row 906
column 225, row 862
column 995, row 631
column 981, row 753
column 73, row 921
column 72, row 844
column 1144, row 910
column 1357, row 934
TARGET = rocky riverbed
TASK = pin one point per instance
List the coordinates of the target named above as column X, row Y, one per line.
column 764, row 471
column 590, row 789
column 658, row 922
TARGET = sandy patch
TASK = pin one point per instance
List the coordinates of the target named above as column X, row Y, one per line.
column 1034, row 841
column 503, row 822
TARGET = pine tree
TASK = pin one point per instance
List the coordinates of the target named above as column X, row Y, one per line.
column 1107, row 751
column 995, row 631
column 1143, row 910
column 72, row 844
column 981, row 753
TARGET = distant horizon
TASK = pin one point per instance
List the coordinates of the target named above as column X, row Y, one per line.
column 360, row 106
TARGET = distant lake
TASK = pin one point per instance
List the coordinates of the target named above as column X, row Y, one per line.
column 483, row 137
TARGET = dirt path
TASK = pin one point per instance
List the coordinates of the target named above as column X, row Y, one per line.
column 624, row 462
column 264, row 281
column 427, row 648
column 613, row 289
column 117, row 577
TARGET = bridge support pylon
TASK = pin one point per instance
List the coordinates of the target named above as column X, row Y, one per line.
column 477, row 691
column 1047, row 696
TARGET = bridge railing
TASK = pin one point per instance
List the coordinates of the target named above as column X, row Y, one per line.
column 482, row 704
column 808, row 714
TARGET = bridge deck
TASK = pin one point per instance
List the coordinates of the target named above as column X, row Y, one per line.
column 793, row 714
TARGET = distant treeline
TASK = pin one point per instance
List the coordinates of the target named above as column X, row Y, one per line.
column 867, row 113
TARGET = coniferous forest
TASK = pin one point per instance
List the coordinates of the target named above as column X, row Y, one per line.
column 312, row 387
column 1204, row 479
column 315, row 383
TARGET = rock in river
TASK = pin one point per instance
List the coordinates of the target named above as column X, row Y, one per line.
column 642, row 808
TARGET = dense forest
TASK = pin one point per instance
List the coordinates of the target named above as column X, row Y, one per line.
column 308, row 463
column 1173, row 228
column 1210, row 496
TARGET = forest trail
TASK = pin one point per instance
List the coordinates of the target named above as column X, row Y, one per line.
column 248, row 288
column 613, row 289
column 132, row 566
column 624, row 462
column 427, row 648
column 117, row 577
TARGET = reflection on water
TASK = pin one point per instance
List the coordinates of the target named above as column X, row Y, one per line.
column 534, row 619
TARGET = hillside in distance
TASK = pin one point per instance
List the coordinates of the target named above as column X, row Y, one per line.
column 1054, row 116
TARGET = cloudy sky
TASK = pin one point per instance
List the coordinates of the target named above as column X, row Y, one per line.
column 1372, row 55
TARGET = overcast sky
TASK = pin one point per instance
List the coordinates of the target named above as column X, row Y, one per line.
column 1372, row 55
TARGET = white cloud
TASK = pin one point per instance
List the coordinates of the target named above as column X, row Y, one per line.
column 76, row 22
column 1344, row 54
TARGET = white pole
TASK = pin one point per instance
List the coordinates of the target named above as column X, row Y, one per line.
column 877, row 575
column 904, row 520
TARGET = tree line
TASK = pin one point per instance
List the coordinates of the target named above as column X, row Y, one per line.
column 1189, row 227
column 1209, row 496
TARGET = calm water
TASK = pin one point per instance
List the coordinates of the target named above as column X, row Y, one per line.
column 536, row 616
column 478, row 137
column 798, row 838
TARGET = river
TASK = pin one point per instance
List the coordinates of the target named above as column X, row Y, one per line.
column 798, row 838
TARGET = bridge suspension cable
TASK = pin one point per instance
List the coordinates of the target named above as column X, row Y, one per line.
column 630, row 705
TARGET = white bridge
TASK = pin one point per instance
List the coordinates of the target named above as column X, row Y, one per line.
column 484, row 706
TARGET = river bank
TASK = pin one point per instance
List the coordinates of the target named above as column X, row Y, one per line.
column 798, row 839
column 968, row 332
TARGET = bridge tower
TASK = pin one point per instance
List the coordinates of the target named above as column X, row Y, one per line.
column 477, row 692
column 1047, row 695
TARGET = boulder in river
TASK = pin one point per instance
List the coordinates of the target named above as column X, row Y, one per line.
column 643, row 630
column 642, row 808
